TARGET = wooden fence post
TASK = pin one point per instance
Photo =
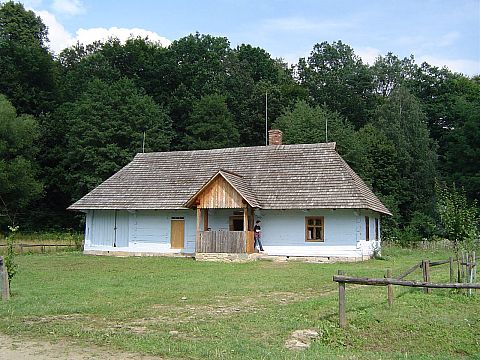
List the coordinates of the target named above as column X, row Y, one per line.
column 389, row 289
column 462, row 280
column 474, row 270
column 452, row 274
column 342, row 320
column 470, row 267
column 426, row 274
column 4, row 280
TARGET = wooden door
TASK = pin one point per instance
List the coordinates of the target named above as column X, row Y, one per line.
column 177, row 237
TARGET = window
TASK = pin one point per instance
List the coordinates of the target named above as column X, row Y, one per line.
column 376, row 230
column 367, row 228
column 314, row 228
column 236, row 223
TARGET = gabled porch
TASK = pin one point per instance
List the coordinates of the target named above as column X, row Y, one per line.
column 227, row 191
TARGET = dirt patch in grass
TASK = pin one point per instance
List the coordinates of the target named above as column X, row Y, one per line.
column 25, row 349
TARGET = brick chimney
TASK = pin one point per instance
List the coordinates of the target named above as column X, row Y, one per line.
column 275, row 137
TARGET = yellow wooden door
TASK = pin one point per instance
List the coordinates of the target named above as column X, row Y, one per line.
column 177, row 237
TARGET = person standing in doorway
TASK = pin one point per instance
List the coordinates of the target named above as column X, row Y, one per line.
column 257, row 234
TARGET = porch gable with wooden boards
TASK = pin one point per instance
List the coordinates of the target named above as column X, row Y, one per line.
column 224, row 190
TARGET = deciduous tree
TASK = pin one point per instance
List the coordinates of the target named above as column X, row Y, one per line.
column 211, row 125
column 18, row 171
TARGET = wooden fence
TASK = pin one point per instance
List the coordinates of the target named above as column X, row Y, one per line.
column 468, row 265
column 223, row 241
column 21, row 248
column 4, row 279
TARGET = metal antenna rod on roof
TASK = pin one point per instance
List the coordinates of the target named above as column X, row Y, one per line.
column 266, row 118
column 326, row 129
column 143, row 142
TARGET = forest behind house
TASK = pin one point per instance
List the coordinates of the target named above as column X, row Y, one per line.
column 71, row 120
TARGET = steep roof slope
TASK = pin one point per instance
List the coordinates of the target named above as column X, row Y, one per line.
column 303, row 176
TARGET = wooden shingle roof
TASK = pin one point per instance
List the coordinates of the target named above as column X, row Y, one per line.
column 306, row 176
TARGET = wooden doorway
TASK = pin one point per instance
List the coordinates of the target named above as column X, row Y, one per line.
column 177, row 236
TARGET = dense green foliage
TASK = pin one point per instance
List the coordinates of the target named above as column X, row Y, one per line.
column 457, row 217
column 400, row 125
column 19, row 185
column 237, row 311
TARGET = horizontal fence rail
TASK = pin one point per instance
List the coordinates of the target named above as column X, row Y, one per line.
column 24, row 247
column 411, row 283
column 467, row 273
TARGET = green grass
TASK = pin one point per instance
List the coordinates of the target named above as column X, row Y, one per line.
column 237, row 311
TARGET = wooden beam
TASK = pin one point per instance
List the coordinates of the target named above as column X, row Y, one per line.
column 252, row 218
column 4, row 279
column 409, row 271
column 452, row 270
column 389, row 289
column 245, row 219
column 342, row 319
column 205, row 219
column 426, row 274
column 199, row 216
column 383, row 282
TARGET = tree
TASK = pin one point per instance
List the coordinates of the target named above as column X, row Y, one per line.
column 376, row 160
column 460, row 144
column 147, row 64
column 200, row 63
column 461, row 159
column 252, row 74
column 102, row 131
column 79, row 66
column 458, row 218
column 27, row 70
column 402, row 120
column 337, row 78
column 211, row 125
column 18, row 172
column 389, row 72
column 305, row 124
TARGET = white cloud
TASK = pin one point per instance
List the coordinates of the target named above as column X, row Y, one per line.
column 464, row 66
column 87, row 36
column 368, row 54
column 69, row 7
column 60, row 38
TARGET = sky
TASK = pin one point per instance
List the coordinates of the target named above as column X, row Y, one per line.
column 440, row 32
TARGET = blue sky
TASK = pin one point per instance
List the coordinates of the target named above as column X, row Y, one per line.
column 441, row 32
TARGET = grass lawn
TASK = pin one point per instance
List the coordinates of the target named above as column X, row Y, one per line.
column 237, row 311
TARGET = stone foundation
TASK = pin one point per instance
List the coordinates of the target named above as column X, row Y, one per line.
column 232, row 257
column 228, row 257
column 137, row 253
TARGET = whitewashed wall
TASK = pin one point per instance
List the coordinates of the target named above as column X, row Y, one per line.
column 137, row 231
column 283, row 231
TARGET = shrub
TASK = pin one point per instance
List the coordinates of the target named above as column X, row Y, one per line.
column 10, row 257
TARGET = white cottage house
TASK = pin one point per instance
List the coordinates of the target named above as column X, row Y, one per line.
column 310, row 202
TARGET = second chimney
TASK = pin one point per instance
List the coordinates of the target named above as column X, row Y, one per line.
column 275, row 137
